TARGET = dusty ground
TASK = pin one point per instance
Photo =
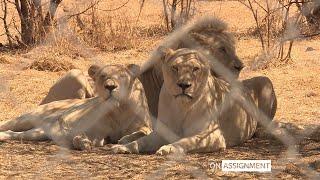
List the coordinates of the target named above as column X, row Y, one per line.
column 296, row 84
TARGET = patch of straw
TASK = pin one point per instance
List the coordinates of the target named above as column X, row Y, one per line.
column 51, row 64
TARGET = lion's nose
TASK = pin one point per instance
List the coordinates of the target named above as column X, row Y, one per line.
column 238, row 65
column 239, row 68
column 110, row 85
column 184, row 85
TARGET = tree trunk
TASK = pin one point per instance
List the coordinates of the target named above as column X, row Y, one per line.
column 173, row 13
column 34, row 26
column 27, row 28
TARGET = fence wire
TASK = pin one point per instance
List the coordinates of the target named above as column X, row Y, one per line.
column 291, row 154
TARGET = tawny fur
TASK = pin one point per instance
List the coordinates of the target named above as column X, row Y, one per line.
column 211, row 35
column 120, row 114
column 197, row 111
column 73, row 85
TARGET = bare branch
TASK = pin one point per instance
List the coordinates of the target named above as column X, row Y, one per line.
column 85, row 10
column 123, row 5
column 4, row 19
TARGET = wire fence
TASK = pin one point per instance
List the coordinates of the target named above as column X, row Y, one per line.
column 291, row 143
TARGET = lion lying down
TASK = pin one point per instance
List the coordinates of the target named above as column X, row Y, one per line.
column 120, row 112
column 196, row 112
column 73, row 85
column 211, row 35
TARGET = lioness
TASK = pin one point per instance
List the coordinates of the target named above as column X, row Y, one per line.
column 196, row 113
column 73, row 85
column 120, row 112
column 211, row 35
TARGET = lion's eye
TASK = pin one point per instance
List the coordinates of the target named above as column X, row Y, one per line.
column 223, row 49
column 195, row 69
column 103, row 76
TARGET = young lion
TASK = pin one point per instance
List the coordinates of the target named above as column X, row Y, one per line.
column 120, row 112
column 196, row 111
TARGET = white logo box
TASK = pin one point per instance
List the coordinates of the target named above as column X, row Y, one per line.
column 246, row 165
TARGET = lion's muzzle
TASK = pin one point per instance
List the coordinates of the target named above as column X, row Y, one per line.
column 110, row 85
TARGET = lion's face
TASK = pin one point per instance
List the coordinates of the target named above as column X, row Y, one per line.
column 185, row 74
column 221, row 47
column 113, row 80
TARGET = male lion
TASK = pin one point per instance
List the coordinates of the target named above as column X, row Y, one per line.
column 120, row 112
column 197, row 111
column 208, row 34
column 73, row 85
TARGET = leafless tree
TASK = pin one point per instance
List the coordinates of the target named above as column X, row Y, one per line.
column 275, row 26
column 36, row 18
column 173, row 16
column 35, row 23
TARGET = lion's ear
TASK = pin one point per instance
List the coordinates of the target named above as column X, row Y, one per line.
column 134, row 69
column 93, row 69
column 165, row 52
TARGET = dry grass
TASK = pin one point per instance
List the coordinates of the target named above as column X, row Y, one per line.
column 52, row 64
column 115, row 32
column 4, row 60
column 296, row 85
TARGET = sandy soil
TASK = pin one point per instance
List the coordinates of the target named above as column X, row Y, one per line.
column 296, row 84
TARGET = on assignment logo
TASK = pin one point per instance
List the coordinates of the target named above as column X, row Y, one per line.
column 241, row 165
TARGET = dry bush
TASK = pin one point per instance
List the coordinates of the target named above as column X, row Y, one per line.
column 151, row 31
column 107, row 25
column 52, row 64
column 108, row 34
column 114, row 32
column 63, row 41
column 177, row 12
column 116, row 26
column 277, row 26
column 271, row 26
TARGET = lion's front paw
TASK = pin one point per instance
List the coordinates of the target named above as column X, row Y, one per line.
column 125, row 140
column 125, row 149
column 120, row 149
column 169, row 149
column 81, row 143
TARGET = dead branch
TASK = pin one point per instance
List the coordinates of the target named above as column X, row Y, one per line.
column 4, row 19
column 166, row 16
column 85, row 10
column 121, row 6
column 140, row 9
column 174, row 16
column 255, row 16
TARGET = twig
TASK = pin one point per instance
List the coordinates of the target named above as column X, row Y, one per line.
column 311, row 35
column 255, row 15
column 4, row 19
column 85, row 10
column 140, row 10
column 266, row 10
column 117, row 8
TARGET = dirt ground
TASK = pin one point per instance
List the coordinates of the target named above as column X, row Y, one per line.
column 297, row 86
